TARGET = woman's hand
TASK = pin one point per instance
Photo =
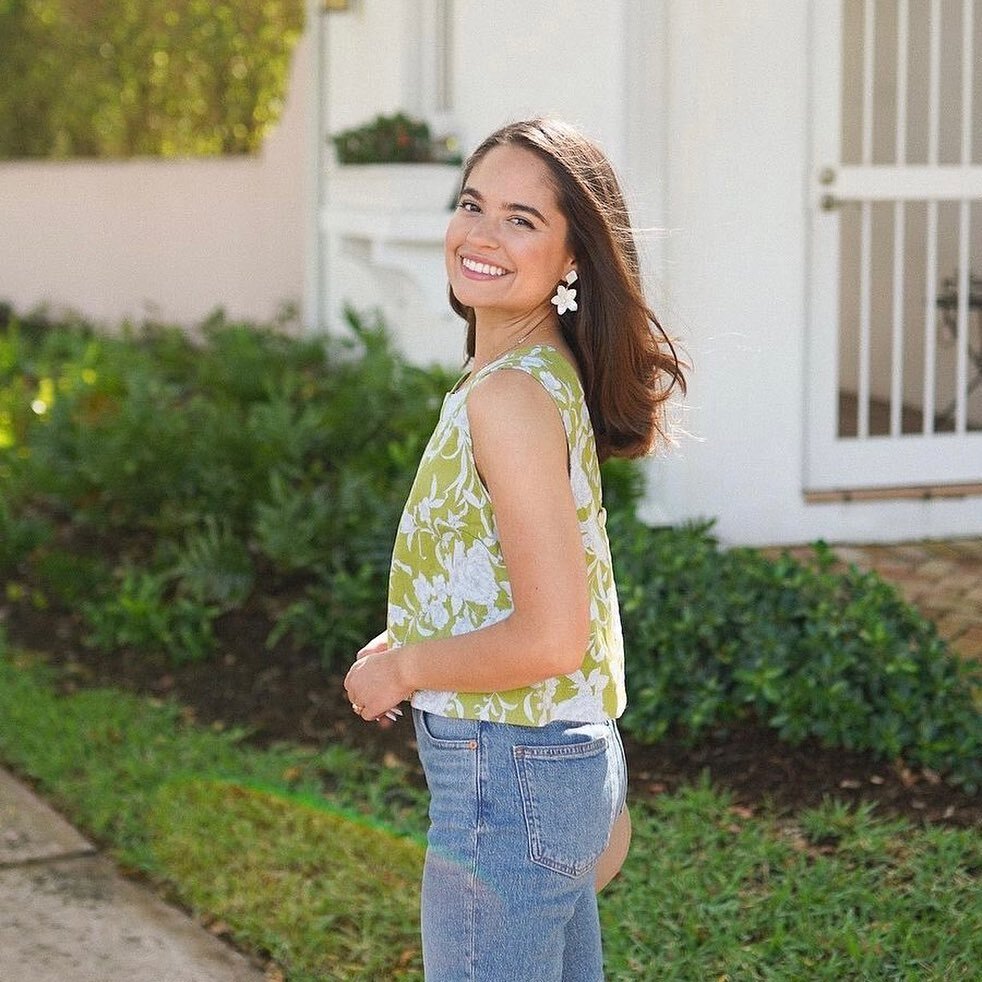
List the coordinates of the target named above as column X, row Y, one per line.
column 379, row 643
column 374, row 683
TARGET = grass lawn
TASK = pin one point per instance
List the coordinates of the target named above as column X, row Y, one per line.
column 276, row 843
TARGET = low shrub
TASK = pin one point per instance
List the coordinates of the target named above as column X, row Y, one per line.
column 156, row 483
column 20, row 535
column 141, row 613
column 716, row 636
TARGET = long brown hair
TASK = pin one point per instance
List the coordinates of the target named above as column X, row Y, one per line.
column 628, row 363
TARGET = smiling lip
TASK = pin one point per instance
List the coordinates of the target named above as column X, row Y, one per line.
column 474, row 266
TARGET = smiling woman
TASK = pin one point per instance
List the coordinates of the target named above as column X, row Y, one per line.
column 503, row 622
column 504, row 255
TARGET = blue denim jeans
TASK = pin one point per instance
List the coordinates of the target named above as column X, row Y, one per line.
column 519, row 816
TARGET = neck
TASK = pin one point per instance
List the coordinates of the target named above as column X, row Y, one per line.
column 494, row 338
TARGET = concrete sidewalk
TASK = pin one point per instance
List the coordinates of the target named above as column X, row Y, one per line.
column 66, row 915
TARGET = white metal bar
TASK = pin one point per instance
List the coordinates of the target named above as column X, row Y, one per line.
column 968, row 66
column 914, row 183
column 897, row 346
column 964, row 225
column 899, row 226
column 866, row 275
column 934, row 85
column 930, row 315
column 823, row 350
column 903, row 36
column 884, row 461
column 961, row 350
column 869, row 50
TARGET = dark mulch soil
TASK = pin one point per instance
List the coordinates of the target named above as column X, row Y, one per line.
column 286, row 695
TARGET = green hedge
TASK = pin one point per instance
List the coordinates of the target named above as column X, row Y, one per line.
column 153, row 485
column 142, row 77
column 804, row 649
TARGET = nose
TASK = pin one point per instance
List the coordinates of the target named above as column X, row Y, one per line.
column 483, row 232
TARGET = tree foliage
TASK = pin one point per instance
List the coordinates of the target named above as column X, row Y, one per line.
column 93, row 78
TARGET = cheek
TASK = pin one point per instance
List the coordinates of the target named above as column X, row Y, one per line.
column 451, row 240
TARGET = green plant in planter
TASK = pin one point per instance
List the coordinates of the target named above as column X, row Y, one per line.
column 396, row 139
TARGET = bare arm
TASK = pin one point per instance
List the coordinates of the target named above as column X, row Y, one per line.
column 521, row 453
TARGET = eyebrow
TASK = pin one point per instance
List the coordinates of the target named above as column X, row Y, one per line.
column 509, row 206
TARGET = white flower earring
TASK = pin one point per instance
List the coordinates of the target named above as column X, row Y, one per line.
column 565, row 298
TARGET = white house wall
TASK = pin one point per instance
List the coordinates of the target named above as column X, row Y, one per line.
column 514, row 59
column 511, row 59
column 736, row 263
column 367, row 61
column 704, row 106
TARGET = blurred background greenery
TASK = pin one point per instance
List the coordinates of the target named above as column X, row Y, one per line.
column 92, row 78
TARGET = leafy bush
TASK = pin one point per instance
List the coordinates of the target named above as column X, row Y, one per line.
column 20, row 534
column 396, row 139
column 808, row 651
column 138, row 77
column 196, row 468
column 141, row 614
column 214, row 566
column 252, row 469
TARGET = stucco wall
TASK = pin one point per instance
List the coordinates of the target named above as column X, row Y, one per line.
column 173, row 238
column 515, row 59
column 736, row 264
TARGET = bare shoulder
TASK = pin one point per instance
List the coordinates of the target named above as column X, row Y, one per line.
column 511, row 397
column 511, row 416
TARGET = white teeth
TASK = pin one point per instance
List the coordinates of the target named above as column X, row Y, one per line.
column 484, row 268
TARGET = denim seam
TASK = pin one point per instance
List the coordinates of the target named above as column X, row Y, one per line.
column 623, row 763
column 593, row 748
column 478, row 746
column 441, row 743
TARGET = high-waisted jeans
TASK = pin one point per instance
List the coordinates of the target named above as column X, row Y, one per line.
column 519, row 816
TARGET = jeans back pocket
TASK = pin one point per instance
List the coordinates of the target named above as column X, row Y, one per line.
column 566, row 797
column 444, row 732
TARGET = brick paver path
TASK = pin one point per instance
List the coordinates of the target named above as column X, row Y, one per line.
column 943, row 579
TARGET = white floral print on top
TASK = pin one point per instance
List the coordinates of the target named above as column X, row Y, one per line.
column 448, row 576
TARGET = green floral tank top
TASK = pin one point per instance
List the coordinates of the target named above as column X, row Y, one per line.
column 448, row 575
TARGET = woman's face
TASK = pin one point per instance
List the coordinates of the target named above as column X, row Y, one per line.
column 506, row 245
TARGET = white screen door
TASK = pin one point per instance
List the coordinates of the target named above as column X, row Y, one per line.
column 895, row 328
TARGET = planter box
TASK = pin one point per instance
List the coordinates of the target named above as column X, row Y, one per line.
column 393, row 187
